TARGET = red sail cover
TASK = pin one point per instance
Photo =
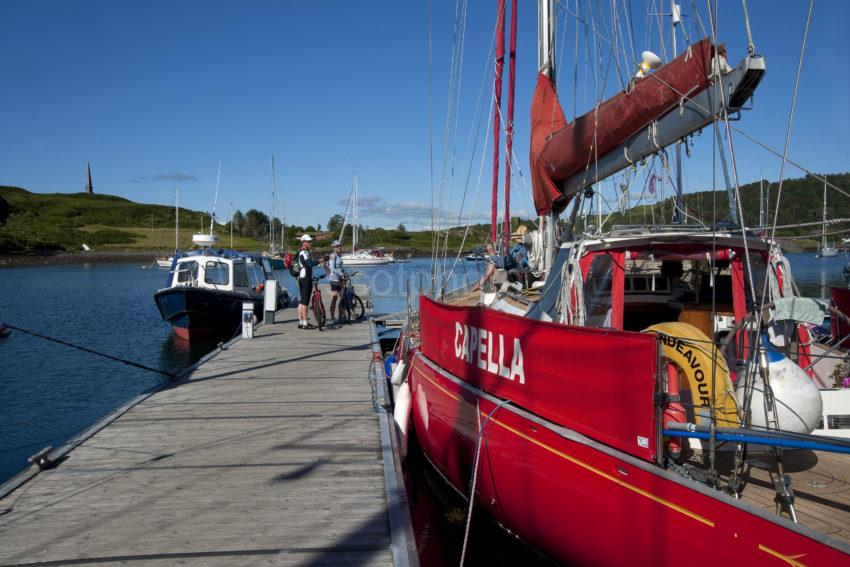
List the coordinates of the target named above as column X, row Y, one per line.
column 560, row 150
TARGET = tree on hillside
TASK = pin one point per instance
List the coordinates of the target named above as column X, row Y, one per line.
column 255, row 225
column 335, row 223
column 401, row 227
column 238, row 219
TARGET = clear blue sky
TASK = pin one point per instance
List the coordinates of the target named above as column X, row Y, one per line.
column 155, row 92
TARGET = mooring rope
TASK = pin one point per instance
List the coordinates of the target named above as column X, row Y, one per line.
column 168, row 373
column 475, row 475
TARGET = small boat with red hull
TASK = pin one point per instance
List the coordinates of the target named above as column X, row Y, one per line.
column 652, row 402
column 206, row 290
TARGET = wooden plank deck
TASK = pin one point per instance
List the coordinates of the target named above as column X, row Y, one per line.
column 270, row 452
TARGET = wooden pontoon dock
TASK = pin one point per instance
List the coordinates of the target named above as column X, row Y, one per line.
column 276, row 450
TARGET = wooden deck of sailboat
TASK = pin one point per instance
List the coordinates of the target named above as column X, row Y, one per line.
column 270, row 452
column 821, row 483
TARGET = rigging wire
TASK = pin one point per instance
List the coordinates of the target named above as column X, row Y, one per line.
column 446, row 134
column 430, row 151
column 447, row 211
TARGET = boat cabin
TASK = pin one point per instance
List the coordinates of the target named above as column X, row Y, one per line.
column 223, row 273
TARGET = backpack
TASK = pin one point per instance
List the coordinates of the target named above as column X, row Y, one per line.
column 292, row 262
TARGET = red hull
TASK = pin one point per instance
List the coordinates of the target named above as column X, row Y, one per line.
column 193, row 334
column 576, row 499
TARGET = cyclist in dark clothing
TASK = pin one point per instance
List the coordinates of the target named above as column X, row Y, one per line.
column 305, row 280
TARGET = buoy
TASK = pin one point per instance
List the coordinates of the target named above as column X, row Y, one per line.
column 797, row 400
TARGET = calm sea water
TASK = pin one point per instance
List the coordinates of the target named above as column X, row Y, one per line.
column 49, row 392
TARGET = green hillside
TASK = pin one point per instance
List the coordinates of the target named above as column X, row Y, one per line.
column 48, row 222
column 802, row 201
column 44, row 222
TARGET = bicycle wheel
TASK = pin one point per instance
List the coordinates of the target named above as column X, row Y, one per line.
column 357, row 308
column 319, row 312
column 344, row 311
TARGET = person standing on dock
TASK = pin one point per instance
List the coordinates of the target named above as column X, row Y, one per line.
column 336, row 271
column 305, row 280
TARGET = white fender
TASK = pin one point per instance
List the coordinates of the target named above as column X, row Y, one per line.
column 798, row 401
column 399, row 374
column 401, row 414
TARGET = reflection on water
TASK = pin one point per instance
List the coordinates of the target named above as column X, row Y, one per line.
column 815, row 276
column 177, row 352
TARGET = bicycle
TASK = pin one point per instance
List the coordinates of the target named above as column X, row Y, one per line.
column 317, row 305
column 349, row 303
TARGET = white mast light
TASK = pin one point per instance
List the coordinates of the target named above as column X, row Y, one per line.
column 649, row 60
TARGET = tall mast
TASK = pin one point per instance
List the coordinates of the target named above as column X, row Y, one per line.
column 679, row 212
column 497, row 113
column 823, row 226
column 354, row 216
column 215, row 201
column 176, row 219
column 546, row 66
column 271, row 224
column 762, row 211
column 282, row 223
column 509, row 125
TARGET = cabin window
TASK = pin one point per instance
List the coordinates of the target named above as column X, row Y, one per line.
column 187, row 273
column 597, row 291
column 240, row 275
column 216, row 273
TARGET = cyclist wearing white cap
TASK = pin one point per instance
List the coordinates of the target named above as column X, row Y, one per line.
column 305, row 280
column 336, row 271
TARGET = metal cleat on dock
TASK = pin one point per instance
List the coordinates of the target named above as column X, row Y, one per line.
column 42, row 459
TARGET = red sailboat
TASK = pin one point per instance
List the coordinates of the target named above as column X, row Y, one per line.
column 614, row 419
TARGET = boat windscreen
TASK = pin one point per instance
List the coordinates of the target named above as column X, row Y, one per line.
column 216, row 273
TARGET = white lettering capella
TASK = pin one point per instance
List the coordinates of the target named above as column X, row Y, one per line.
column 478, row 347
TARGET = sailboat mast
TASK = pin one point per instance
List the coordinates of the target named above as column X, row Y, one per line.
column 354, row 217
column 176, row 219
column 271, row 224
column 546, row 66
column 497, row 114
column 823, row 226
column 679, row 212
column 215, row 201
column 509, row 125
column 282, row 221
column 762, row 220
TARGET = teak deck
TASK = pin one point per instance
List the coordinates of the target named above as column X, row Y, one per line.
column 270, row 452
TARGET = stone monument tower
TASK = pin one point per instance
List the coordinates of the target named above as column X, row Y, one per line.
column 89, row 188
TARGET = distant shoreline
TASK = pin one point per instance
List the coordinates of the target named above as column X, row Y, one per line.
column 93, row 257
column 143, row 257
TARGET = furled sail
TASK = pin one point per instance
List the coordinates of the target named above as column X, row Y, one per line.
column 560, row 150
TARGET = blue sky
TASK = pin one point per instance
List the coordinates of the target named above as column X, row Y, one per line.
column 154, row 93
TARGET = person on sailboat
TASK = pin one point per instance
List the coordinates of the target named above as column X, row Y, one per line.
column 494, row 262
column 305, row 280
column 336, row 271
